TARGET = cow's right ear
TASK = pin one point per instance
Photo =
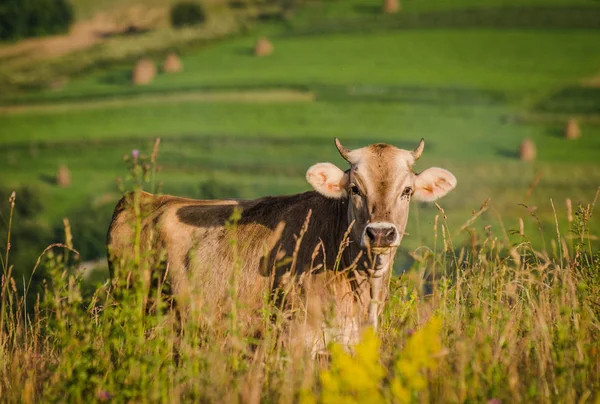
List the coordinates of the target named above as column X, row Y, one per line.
column 327, row 179
column 433, row 183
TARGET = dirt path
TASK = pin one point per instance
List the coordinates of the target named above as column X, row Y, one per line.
column 264, row 96
column 593, row 81
column 83, row 34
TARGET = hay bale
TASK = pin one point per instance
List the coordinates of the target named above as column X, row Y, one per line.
column 263, row 47
column 528, row 151
column 572, row 130
column 143, row 72
column 391, row 6
column 57, row 84
column 63, row 176
column 172, row 63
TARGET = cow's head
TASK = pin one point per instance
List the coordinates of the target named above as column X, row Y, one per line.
column 378, row 188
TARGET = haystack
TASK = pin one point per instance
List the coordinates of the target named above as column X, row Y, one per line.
column 144, row 72
column 58, row 84
column 391, row 6
column 528, row 150
column 572, row 130
column 172, row 63
column 263, row 47
column 63, row 176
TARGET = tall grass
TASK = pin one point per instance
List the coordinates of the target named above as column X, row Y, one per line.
column 474, row 323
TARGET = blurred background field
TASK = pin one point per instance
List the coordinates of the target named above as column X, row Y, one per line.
column 473, row 78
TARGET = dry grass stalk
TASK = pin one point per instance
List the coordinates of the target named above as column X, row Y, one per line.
column 143, row 72
column 544, row 340
column 572, row 130
column 263, row 47
column 534, row 184
column 528, row 151
column 68, row 234
column 172, row 63
column 63, row 176
column 155, row 151
column 482, row 209
column 391, row 6
column 521, row 227
column 569, row 210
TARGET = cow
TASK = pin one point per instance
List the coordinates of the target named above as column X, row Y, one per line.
column 337, row 241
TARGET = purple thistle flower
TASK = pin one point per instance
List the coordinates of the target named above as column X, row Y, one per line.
column 135, row 153
column 104, row 395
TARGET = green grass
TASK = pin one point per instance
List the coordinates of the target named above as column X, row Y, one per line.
column 202, row 142
column 492, row 321
column 467, row 91
column 512, row 62
column 340, row 10
column 520, row 313
column 486, row 132
column 369, row 18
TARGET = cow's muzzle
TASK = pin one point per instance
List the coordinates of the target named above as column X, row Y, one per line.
column 381, row 235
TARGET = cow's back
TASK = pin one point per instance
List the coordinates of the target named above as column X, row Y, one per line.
column 186, row 242
column 192, row 239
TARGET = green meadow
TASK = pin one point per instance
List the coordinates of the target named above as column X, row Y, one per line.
column 473, row 93
column 474, row 79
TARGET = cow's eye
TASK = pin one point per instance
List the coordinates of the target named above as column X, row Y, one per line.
column 407, row 191
column 354, row 189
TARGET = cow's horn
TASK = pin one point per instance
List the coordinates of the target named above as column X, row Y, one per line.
column 419, row 150
column 343, row 151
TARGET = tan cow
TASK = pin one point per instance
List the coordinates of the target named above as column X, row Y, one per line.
column 342, row 255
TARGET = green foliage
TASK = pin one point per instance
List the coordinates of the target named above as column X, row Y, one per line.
column 572, row 100
column 30, row 201
column 505, row 323
column 187, row 14
column 30, row 234
column 214, row 189
column 520, row 321
column 27, row 18
column 89, row 223
column 516, row 17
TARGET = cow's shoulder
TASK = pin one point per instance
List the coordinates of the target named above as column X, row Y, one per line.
column 267, row 211
column 278, row 205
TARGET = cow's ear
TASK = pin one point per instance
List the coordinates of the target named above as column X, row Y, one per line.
column 433, row 183
column 327, row 179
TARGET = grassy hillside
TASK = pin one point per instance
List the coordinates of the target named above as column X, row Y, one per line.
column 509, row 64
column 473, row 91
column 500, row 300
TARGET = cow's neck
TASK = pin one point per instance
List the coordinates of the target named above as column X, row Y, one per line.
column 378, row 285
column 372, row 274
column 370, row 286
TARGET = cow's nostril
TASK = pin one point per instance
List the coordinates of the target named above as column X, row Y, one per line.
column 390, row 234
column 380, row 236
column 371, row 233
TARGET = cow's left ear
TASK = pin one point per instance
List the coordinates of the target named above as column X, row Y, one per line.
column 433, row 183
column 327, row 179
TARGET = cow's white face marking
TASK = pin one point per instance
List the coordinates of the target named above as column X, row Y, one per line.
column 379, row 186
